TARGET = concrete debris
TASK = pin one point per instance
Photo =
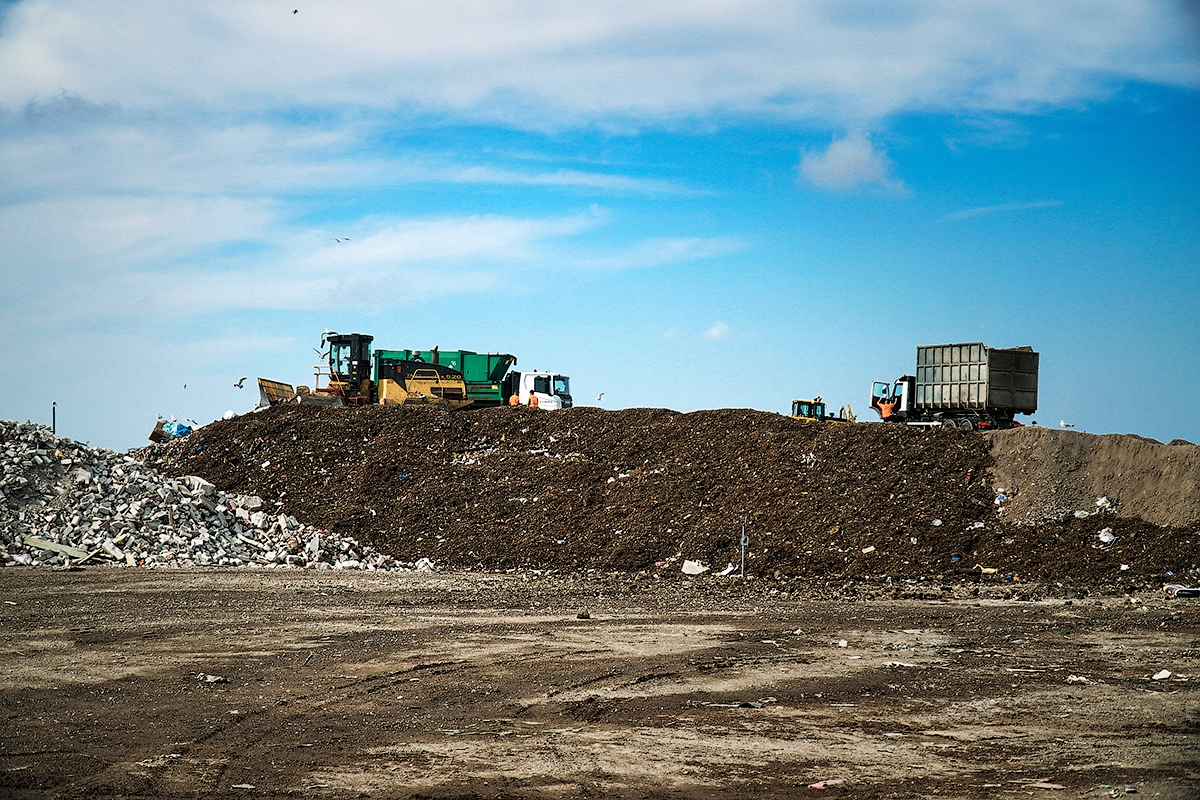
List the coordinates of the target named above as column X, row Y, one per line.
column 63, row 502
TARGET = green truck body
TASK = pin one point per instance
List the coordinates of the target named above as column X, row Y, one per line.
column 482, row 372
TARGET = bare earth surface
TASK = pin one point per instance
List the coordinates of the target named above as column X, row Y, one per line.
column 482, row 685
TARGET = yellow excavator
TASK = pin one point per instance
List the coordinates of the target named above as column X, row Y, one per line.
column 814, row 411
column 353, row 380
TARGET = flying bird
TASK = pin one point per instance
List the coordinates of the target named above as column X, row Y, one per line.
column 295, row 11
column 339, row 239
column 599, row 397
column 239, row 383
column 1066, row 424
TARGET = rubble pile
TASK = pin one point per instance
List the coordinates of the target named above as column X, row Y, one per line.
column 650, row 489
column 63, row 502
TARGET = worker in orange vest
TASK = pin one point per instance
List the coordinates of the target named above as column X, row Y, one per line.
column 515, row 399
column 532, row 400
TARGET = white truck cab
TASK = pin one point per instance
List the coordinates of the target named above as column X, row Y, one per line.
column 552, row 389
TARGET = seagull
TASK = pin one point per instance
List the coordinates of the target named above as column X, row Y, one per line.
column 339, row 239
column 599, row 397
column 1066, row 424
column 239, row 383
column 295, row 11
column 185, row 386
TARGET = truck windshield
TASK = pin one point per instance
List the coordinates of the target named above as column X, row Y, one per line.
column 541, row 384
column 562, row 385
column 880, row 390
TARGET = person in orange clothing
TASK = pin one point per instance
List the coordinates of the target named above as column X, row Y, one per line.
column 532, row 400
column 514, row 399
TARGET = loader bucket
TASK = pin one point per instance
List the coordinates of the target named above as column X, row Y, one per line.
column 272, row 393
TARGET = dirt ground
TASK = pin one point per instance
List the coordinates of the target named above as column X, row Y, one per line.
column 183, row 684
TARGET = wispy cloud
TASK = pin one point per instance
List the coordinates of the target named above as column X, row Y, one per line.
column 718, row 331
column 541, row 63
column 849, row 163
column 980, row 211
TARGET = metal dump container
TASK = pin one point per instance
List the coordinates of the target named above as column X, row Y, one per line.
column 973, row 376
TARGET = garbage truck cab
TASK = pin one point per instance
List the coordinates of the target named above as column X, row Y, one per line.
column 552, row 389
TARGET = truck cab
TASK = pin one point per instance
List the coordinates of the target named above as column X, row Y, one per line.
column 893, row 401
column 552, row 389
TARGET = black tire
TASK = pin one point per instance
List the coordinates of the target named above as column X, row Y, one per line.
column 948, row 423
column 966, row 424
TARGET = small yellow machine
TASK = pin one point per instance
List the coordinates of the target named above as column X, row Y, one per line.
column 814, row 411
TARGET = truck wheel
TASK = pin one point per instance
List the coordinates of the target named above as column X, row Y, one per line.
column 966, row 424
column 948, row 423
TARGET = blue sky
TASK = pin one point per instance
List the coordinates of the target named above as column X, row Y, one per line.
column 683, row 205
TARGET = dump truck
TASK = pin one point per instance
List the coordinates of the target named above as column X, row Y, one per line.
column 970, row 386
column 489, row 380
column 814, row 411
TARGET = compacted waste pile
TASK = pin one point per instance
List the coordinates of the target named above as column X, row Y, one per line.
column 63, row 502
column 647, row 489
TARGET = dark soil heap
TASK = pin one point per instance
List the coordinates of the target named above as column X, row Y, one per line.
column 628, row 490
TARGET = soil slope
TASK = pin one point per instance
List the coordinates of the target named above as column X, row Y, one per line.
column 1050, row 473
column 630, row 490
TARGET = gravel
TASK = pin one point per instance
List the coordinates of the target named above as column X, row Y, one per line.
column 59, row 495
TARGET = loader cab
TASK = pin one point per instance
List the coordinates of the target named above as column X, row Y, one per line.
column 350, row 362
column 808, row 409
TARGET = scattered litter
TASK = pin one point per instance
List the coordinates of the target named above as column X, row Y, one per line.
column 897, row 664
column 1161, row 675
column 1045, row 785
column 1081, row 515
column 425, row 565
column 212, row 678
column 867, row 550
column 843, row 643
column 1107, row 538
column 1104, row 504
column 585, row 614
column 937, row 523
column 825, row 784
column 242, row 786
column 694, row 568
column 1124, row 568
column 1080, row 679
column 1175, row 590
column 987, row 570
column 732, row 568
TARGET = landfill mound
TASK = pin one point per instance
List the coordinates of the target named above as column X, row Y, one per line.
column 64, row 503
column 1049, row 474
column 650, row 488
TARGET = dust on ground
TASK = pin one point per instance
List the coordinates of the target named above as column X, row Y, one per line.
column 191, row 683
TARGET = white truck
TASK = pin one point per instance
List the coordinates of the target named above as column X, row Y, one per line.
column 552, row 389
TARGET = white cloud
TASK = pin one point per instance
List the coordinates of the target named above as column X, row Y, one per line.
column 967, row 213
column 849, row 163
column 718, row 331
column 550, row 63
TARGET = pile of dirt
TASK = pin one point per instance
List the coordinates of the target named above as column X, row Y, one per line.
column 648, row 488
column 1049, row 474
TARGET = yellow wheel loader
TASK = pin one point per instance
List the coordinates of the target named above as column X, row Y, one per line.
column 350, row 381
column 814, row 411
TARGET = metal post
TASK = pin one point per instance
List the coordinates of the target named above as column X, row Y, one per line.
column 745, row 541
column 54, row 417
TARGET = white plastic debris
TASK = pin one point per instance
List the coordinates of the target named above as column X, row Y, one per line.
column 1161, row 675
column 937, row 523
column 425, row 565
column 694, row 568
column 1079, row 679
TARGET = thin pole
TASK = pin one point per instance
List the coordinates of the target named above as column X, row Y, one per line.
column 54, row 417
column 745, row 541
